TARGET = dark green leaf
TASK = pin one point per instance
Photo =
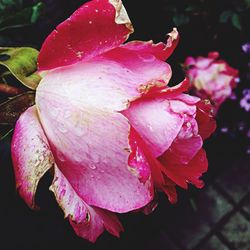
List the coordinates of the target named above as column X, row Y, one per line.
column 36, row 12
column 247, row 3
column 22, row 63
column 13, row 108
column 23, row 17
column 6, row 4
column 236, row 21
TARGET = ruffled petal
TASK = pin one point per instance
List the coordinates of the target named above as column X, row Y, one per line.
column 96, row 27
column 154, row 121
column 159, row 119
column 160, row 50
column 88, row 222
column 31, row 155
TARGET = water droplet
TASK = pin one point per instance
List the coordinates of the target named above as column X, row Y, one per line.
column 150, row 128
column 60, row 156
column 54, row 112
column 92, row 166
column 90, row 22
column 96, row 10
column 188, row 124
column 95, row 158
column 62, row 128
column 79, row 54
column 147, row 58
column 77, row 157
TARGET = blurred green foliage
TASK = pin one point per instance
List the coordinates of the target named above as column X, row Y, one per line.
column 14, row 14
column 229, row 12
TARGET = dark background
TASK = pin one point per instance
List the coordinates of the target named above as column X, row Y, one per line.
column 202, row 30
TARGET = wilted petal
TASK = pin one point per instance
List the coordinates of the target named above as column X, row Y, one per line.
column 88, row 222
column 31, row 154
column 160, row 50
column 96, row 27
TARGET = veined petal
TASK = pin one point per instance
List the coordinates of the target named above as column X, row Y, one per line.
column 160, row 50
column 88, row 222
column 96, row 27
column 31, row 155
column 91, row 141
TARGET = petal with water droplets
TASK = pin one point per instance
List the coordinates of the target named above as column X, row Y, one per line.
column 31, row 155
column 88, row 222
column 96, row 27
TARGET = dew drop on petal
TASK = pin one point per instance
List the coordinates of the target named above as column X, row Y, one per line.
column 60, row 156
column 62, row 128
column 92, row 166
column 147, row 58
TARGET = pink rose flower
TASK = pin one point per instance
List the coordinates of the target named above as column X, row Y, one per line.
column 211, row 78
column 107, row 123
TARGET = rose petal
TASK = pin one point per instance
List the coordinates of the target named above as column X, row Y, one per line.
column 96, row 27
column 183, row 174
column 160, row 50
column 88, row 222
column 155, row 122
column 82, row 101
column 182, row 151
column 205, row 120
column 31, row 155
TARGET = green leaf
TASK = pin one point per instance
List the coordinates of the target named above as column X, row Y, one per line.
column 6, row 4
column 22, row 63
column 180, row 19
column 247, row 2
column 225, row 16
column 13, row 108
column 36, row 12
column 236, row 21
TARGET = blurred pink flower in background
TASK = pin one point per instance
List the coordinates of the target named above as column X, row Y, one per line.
column 211, row 78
